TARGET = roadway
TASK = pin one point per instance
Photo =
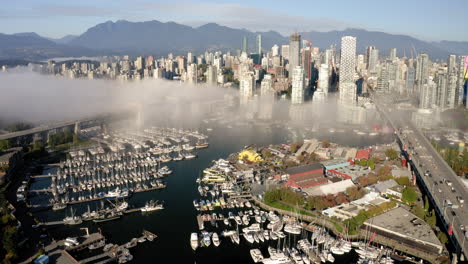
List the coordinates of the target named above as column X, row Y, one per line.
column 440, row 180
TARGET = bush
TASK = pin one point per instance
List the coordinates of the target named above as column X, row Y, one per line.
column 409, row 195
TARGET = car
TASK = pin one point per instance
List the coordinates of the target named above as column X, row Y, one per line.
column 462, row 227
column 453, row 213
column 435, row 183
column 439, row 190
column 43, row 236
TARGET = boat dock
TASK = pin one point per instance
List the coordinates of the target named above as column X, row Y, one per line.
column 43, row 176
column 128, row 211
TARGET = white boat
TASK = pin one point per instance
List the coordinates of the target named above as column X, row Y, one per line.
column 256, row 255
column 152, row 206
column 277, row 258
column 215, row 239
column 194, row 241
column 249, row 237
column 235, row 238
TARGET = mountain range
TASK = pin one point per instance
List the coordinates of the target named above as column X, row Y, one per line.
column 158, row 38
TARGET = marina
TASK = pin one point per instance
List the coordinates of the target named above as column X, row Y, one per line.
column 181, row 193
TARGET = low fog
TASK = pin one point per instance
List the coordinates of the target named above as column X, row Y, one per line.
column 28, row 96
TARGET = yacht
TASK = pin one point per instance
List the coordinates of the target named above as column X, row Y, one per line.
column 152, row 206
column 194, row 241
column 59, row 206
column 117, row 193
column 206, row 238
column 215, row 239
column 277, row 258
column 249, row 237
column 190, row 156
column 256, row 255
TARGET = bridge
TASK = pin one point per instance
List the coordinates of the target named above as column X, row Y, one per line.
column 76, row 125
column 444, row 188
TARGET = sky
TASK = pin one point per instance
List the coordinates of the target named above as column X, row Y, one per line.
column 431, row 20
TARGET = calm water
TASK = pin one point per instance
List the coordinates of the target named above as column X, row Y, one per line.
column 174, row 224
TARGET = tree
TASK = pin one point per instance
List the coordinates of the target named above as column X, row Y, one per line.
column 432, row 219
column 326, row 143
column 405, row 181
column 354, row 193
column 409, row 195
column 418, row 211
column 38, row 145
column 371, row 164
column 426, row 205
column 442, row 237
column 4, row 144
column 391, row 154
column 363, row 163
column 295, row 147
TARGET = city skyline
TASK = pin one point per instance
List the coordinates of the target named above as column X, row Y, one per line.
column 47, row 19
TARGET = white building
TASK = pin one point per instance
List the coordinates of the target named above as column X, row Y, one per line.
column 298, row 85
column 347, row 70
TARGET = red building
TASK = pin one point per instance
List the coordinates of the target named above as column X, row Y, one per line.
column 306, row 176
column 362, row 154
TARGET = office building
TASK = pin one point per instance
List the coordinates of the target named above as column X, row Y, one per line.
column 347, row 70
column 298, row 85
column 294, row 51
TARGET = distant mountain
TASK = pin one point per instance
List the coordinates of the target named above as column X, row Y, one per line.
column 30, row 46
column 455, row 47
column 64, row 40
column 158, row 38
column 162, row 38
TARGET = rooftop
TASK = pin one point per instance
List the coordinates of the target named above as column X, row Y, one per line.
column 401, row 221
column 304, row 168
column 331, row 188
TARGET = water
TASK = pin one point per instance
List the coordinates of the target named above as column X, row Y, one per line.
column 177, row 221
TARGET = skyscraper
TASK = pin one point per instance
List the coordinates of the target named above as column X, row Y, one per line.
column 259, row 44
column 306, row 62
column 275, row 50
column 285, row 51
column 244, row 44
column 392, row 54
column 428, row 93
column 298, row 85
column 266, row 85
column 192, row 73
column 211, row 75
column 347, row 70
column 246, row 86
column 294, row 51
column 373, row 60
column 422, row 70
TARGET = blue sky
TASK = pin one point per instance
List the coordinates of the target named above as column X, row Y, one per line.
column 424, row 19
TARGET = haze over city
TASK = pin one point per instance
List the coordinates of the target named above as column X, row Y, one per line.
column 233, row 132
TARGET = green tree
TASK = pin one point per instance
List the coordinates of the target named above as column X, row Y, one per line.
column 38, row 145
column 371, row 164
column 405, row 181
column 391, row 153
column 363, row 163
column 418, row 211
column 431, row 219
column 426, row 205
column 442, row 237
column 4, row 144
column 409, row 195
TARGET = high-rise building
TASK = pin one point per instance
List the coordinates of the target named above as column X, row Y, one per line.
column 247, row 86
column 428, row 94
column 306, row 62
column 373, row 60
column 422, row 70
column 298, row 85
column 258, row 41
column 192, row 73
column 324, row 79
column 294, row 51
column 368, row 54
column 244, row 45
column 410, row 78
column 189, row 58
column 275, row 50
column 392, row 54
column 266, row 86
column 285, row 51
column 139, row 63
column 347, row 70
column 211, row 75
